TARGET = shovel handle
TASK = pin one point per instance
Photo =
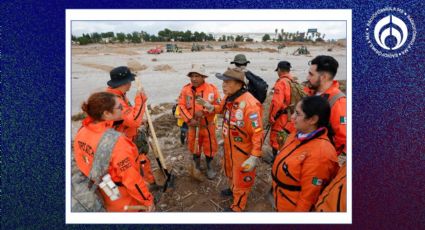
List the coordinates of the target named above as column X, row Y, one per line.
column 196, row 139
column 155, row 140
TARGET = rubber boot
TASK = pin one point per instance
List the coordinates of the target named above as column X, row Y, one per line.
column 210, row 171
column 195, row 169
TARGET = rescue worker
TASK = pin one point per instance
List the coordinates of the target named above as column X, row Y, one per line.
column 103, row 109
column 241, row 62
column 201, row 135
column 334, row 197
column 131, row 116
column 278, row 114
column 307, row 161
column 180, row 123
column 320, row 81
column 242, row 135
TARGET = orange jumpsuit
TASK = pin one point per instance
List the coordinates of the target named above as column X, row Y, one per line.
column 243, row 137
column 301, row 170
column 123, row 167
column 207, row 140
column 131, row 120
column 338, row 118
column 334, row 197
column 280, row 101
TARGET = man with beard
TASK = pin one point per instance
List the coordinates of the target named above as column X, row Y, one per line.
column 320, row 81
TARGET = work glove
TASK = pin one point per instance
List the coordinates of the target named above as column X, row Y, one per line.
column 199, row 114
column 249, row 164
column 342, row 159
column 193, row 122
column 206, row 104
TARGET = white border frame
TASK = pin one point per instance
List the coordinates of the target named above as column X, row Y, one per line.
column 208, row 217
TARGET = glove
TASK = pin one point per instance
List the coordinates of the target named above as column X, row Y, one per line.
column 341, row 159
column 206, row 104
column 249, row 164
column 193, row 122
column 199, row 114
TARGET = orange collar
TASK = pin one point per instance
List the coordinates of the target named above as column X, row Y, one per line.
column 100, row 126
column 200, row 88
column 115, row 91
column 334, row 89
column 286, row 75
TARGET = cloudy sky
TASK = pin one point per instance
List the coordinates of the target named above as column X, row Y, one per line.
column 332, row 29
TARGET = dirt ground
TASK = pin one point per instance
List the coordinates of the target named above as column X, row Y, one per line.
column 163, row 76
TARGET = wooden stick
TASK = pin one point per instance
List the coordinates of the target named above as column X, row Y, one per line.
column 190, row 193
column 135, row 208
column 216, row 204
column 155, row 140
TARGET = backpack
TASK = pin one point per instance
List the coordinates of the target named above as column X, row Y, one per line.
column 297, row 93
column 85, row 195
column 257, row 86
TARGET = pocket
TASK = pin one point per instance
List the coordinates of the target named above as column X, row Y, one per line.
column 244, row 179
column 286, row 197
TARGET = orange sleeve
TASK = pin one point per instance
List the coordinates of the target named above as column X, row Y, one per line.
column 133, row 116
column 254, row 127
column 316, row 170
column 338, row 122
column 185, row 113
column 219, row 107
column 280, row 97
column 215, row 102
column 124, row 161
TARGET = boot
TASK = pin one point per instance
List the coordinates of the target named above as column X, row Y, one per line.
column 195, row 172
column 210, row 171
column 226, row 192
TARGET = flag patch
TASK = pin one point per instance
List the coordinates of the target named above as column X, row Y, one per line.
column 343, row 120
column 253, row 116
column 317, row 181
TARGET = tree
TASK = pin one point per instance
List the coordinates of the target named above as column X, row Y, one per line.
column 239, row 38
column 84, row 39
column 280, row 38
column 266, row 37
column 129, row 37
column 275, row 33
column 95, row 37
column 73, row 38
column 136, row 37
column 121, row 37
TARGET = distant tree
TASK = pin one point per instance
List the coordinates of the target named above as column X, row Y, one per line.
column 239, row 38
column 129, row 37
column 249, row 40
column 95, row 37
column 223, row 38
column 266, row 37
column 210, row 37
column 280, row 38
column 275, row 33
column 73, row 38
column 84, row 39
column 121, row 37
column 136, row 37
